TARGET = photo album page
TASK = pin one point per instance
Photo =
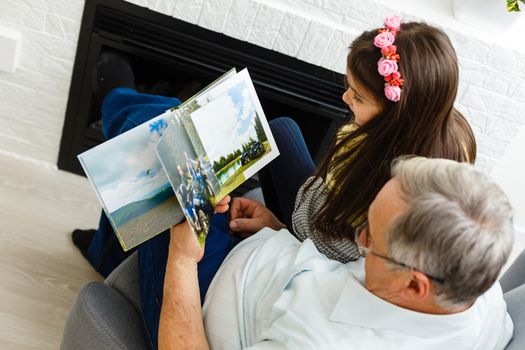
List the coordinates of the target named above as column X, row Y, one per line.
column 181, row 163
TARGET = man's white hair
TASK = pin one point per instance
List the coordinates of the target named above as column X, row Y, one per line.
column 458, row 227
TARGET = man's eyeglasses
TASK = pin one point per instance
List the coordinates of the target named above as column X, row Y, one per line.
column 363, row 241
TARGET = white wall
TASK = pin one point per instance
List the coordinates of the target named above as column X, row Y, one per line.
column 33, row 99
column 509, row 173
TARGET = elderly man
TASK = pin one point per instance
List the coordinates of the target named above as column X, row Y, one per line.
column 438, row 234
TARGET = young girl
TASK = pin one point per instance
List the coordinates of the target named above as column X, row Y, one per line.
column 402, row 82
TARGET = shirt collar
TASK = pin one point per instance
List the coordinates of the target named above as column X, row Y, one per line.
column 357, row 306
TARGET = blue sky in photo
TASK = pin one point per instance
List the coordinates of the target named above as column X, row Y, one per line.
column 126, row 169
column 226, row 122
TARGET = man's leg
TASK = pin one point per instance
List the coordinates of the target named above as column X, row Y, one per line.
column 104, row 251
column 282, row 178
column 153, row 256
column 125, row 108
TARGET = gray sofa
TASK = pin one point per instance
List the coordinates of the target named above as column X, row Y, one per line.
column 106, row 315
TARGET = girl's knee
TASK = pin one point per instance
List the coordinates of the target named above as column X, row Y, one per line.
column 283, row 125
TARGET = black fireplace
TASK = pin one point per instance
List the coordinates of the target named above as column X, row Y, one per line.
column 168, row 52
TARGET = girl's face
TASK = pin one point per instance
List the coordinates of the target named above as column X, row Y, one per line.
column 360, row 101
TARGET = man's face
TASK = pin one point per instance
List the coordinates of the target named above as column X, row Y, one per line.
column 385, row 208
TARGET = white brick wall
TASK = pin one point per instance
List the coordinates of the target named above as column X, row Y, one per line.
column 33, row 99
column 240, row 19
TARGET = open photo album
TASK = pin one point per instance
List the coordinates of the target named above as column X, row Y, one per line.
column 181, row 163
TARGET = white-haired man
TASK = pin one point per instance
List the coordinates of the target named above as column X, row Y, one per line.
column 437, row 236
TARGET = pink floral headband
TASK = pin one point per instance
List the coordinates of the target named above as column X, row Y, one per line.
column 387, row 65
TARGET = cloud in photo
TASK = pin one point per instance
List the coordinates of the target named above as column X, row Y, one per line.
column 132, row 190
column 226, row 122
column 119, row 168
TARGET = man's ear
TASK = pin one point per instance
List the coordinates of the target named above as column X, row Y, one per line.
column 418, row 287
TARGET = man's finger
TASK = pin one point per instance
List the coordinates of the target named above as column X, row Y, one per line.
column 235, row 208
column 245, row 225
column 223, row 205
column 241, row 207
column 224, row 201
column 222, row 208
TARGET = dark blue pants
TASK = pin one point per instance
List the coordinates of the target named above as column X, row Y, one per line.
column 281, row 179
column 123, row 109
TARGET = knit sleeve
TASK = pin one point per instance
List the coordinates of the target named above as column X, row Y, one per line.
column 307, row 203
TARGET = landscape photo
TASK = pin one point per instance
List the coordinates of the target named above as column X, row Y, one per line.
column 181, row 163
column 231, row 133
column 128, row 177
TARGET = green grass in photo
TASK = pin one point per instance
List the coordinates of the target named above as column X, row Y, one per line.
column 238, row 177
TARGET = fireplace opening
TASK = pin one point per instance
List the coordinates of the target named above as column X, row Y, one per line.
column 156, row 79
column 174, row 58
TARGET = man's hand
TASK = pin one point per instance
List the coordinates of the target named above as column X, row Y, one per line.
column 184, row 243
column 248, row 216
column 223, row 205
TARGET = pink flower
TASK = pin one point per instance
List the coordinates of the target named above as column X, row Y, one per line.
column 391, row 50
column 384, row 39
column 386, row 67
column 393, row 23
column 393, row 93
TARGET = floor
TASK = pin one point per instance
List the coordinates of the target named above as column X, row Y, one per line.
column 41, row 271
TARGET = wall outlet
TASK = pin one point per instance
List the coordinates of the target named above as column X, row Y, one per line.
column 10, row 43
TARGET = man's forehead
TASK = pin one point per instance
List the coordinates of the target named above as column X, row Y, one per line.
column 387, row 205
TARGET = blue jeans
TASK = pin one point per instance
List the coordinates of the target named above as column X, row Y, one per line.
column 123, row 109
column 281, row 179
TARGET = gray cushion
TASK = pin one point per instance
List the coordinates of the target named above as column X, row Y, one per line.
column 255, row 194
column 516, row 306
column 515, row 275
column 125, row 279
column 101, row 318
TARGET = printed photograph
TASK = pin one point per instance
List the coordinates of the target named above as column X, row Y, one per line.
column 190, row 175
column 231, row 134
column 129, row 179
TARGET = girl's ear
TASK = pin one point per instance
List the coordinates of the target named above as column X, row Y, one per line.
column 418, row 287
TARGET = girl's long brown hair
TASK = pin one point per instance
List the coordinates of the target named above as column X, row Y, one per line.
column 424, row 122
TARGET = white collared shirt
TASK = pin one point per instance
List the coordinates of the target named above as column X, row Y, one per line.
column 273, row 292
